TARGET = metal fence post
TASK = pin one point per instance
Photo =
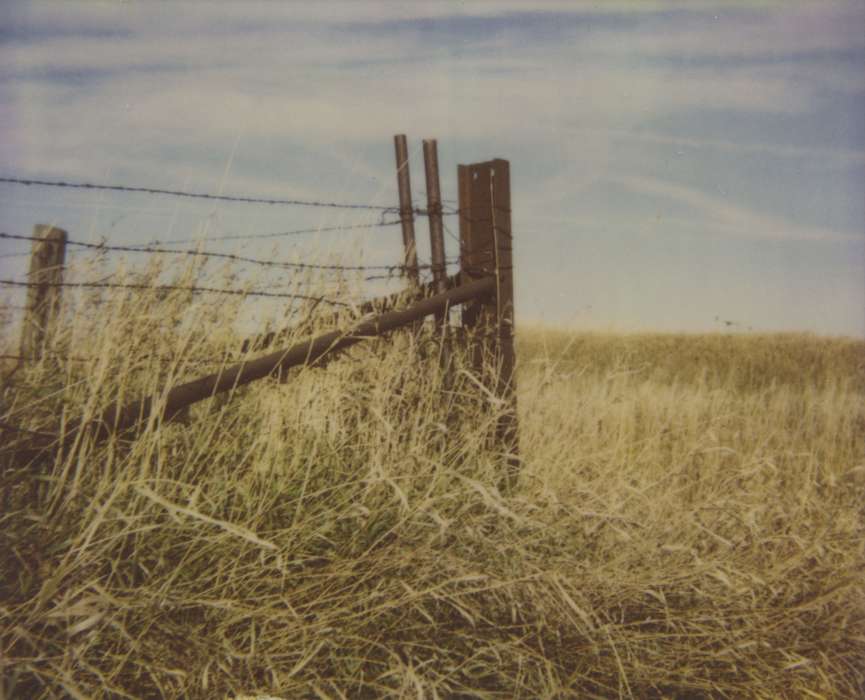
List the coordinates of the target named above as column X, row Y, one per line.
column 437, row 254
column 486, row 249
column 43, row 297
column 406, row 213
column 434, row 211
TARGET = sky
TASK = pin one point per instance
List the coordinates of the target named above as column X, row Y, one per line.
column 674, row 165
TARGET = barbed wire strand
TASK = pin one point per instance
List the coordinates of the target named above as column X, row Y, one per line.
column 224, row 198
column 178, row 288
column 205, row 254
column 278, row 234
column 30, row 182
column 190, row 195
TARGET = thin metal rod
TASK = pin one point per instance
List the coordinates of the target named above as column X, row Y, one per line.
column 434, row 209
column 406, row 212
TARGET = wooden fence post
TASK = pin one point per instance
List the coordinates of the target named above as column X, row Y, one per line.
column 43, row 298
column 406, row 214
column 485, row 249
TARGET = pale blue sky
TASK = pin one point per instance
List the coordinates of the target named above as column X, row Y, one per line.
column 672, row 162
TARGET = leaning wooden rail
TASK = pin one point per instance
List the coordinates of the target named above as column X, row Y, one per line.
column 378, row 305
column 121, row 418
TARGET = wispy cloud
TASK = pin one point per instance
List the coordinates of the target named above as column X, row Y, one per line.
column 768, row 149
column 712, row 213
column 753, row 32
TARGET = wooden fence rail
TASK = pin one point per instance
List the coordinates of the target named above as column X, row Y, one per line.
column 309, row 352
column 119, row 419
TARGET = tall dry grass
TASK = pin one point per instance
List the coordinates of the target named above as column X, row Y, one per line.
column 689, row 521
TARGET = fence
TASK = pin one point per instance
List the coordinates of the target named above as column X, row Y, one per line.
column 483, row 287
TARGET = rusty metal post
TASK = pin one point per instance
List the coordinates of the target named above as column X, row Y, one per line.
column 486, row 249
column 406, row 213
column 43, row 298
column 437, row 253
column 434, row 210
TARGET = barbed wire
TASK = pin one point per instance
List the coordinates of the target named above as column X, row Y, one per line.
column 451, row 234
column 278, row 234
column 178, row 288
column 190, row 195
column 478, row 219
column 422, row 195
column 417, row 211
column 226, row 256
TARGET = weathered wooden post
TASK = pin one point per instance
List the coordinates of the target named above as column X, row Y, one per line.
column 406, row 214
column 486, row 249
column 44, row 294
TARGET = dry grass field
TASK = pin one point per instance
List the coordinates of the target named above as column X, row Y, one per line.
column 688, row 523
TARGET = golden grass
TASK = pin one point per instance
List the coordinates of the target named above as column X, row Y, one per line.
column 689, row 521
